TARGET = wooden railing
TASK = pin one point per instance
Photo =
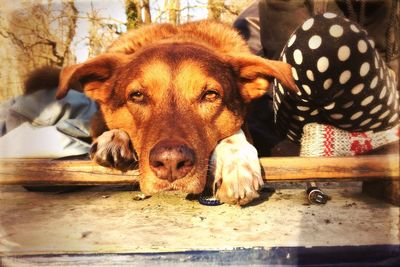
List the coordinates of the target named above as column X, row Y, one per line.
column 84, row 172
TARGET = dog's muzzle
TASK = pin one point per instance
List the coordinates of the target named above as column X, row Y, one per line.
column 171, row 160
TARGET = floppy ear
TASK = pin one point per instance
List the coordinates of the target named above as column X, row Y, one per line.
column 256, row 73
column 92, row 77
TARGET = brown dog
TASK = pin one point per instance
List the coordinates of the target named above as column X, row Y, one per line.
column 175, row 92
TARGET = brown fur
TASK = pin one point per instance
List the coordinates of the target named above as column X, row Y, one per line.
column 188, row 83
column 43, row 78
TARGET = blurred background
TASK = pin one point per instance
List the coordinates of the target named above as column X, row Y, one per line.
column 35, row 33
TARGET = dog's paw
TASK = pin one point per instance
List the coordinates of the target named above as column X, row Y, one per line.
column 236, row 170
column 114, row 149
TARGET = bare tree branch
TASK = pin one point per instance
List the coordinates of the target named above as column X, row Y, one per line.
column 33, row 36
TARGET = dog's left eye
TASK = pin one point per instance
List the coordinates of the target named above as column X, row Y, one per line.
column 136, row 96
column 210, row 96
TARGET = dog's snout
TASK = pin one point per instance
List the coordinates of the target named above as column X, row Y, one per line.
column 171, row 160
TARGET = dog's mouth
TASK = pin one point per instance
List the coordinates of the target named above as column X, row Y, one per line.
column 192, row 183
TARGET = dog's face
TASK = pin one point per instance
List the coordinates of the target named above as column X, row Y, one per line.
column 176, row 101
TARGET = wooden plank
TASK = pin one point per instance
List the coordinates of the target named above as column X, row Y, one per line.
column 363, row 167
column 84, row 172
column 60, row 172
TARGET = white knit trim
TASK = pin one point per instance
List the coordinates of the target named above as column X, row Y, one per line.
column 326, row 140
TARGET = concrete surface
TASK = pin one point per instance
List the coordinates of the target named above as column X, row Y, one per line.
column 110, row 220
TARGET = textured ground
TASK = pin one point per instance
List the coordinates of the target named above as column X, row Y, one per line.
column 112, row 220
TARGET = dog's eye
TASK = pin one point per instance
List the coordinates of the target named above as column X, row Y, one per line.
column 136, row 96
column 210, row 96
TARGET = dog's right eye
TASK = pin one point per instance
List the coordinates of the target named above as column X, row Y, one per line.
column 136, row 96
column 210, row 96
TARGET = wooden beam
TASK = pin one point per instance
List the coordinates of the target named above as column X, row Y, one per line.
column 84, row 172
column 362, row 167
column 60, row 172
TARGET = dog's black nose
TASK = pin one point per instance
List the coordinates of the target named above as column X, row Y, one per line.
column 171, row 160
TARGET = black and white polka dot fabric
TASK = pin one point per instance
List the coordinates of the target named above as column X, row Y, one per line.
column 342, row 80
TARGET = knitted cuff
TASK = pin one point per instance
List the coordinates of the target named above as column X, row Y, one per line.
column 327, row 141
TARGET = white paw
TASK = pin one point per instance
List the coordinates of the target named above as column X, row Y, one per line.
column 236, row 169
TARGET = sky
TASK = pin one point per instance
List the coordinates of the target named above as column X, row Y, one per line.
column 115, row 9
column 109, row 8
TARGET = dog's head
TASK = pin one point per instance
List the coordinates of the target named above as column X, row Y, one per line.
column 176, row 100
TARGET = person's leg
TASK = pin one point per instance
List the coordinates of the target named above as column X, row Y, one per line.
column 342, row 80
